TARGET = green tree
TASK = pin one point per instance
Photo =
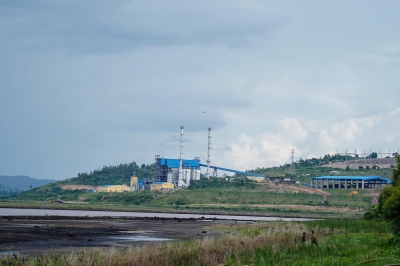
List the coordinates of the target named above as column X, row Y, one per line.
column 391, row 209
column 389, row 201
column 396, row 173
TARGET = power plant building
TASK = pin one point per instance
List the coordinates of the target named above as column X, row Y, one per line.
column 167, row 170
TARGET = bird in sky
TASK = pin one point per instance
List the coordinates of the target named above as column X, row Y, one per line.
column 204, row 112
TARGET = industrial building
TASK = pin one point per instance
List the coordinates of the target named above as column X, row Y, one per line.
column 113, row 188
column 180, row 172
column 167, row 170
column 137, row 184
column 343, row 182
column 162, row 186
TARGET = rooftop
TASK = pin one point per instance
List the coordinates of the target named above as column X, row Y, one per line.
column 174, row 163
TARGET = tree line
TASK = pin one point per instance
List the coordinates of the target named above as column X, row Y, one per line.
column 388, row 208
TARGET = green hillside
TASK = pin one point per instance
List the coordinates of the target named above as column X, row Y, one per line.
column 113, row 175
column 7, row 191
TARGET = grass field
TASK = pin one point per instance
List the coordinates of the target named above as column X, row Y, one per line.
column 340, row 242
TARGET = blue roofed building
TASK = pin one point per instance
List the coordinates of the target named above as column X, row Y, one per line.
column 355, row 182
column 167, row 169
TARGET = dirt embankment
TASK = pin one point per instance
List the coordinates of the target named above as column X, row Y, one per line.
column 310, row 190
column 295, row 189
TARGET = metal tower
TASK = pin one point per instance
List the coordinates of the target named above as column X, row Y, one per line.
column 292, row 170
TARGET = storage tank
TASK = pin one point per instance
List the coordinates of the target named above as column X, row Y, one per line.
column 186, row 176
column 193, row 174
column 169, row 177
column 175, row 175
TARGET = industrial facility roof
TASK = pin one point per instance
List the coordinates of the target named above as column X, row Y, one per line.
column 174, row 163
column 365, row 178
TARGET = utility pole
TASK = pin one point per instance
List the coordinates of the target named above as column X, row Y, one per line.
column 337, row 155
column 292, row 170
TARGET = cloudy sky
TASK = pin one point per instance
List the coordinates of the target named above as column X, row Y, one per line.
column 90, row 83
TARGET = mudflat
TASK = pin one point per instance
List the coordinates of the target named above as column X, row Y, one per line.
column 32, row 236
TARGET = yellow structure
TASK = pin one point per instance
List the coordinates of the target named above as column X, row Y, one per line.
column 161, row 186
column 257, row 179
column 353, row 193
column 134, row 182
column 113, row 188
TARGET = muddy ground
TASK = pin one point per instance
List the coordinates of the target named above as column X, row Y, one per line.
column 30, row 236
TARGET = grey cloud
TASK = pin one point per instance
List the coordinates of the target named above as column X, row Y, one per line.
column 80, row 27
column 85, row 84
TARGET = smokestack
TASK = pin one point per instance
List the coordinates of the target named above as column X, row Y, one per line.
column 180, row 177
column 208, row 153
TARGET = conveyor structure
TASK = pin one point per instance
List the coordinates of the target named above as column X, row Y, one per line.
column 233, row 171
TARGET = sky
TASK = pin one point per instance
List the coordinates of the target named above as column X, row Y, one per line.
column 85, row 84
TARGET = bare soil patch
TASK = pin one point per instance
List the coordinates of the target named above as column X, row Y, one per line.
column 311, row 190
column 295, row 189
column 77, row 187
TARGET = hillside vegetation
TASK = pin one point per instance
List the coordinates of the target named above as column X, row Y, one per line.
column 7, row 191
column 389, row 203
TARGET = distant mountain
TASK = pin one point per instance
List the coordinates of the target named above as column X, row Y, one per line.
column 22, row 183
column 7, row 191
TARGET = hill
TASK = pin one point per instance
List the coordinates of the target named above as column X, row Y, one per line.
column 23, row 183
column 7, row 191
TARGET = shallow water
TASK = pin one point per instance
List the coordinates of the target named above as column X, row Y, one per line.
column 51, row 212
column 8, row 253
